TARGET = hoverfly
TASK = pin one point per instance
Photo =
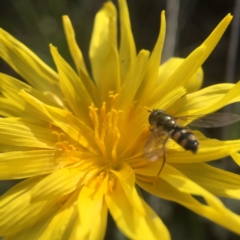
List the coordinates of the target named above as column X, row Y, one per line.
column 163, row 126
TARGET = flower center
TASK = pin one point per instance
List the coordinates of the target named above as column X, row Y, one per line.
column 106, row 131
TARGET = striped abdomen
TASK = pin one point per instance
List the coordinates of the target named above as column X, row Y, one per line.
column 185, row 138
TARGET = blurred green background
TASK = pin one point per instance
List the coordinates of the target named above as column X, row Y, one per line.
column 38, row 23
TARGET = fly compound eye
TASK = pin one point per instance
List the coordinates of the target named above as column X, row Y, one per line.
column 154, row 115
column 150, row 117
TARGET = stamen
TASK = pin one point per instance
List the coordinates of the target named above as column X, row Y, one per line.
column 93, row 113
column 72, row 148
column 59, row 135
column 103, row 111
column 64, row 145
column 113, row 99
column 107, row 134
column 105, row 125
column 110, row 130
column 99, row 142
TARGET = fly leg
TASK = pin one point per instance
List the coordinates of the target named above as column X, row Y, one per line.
column 164, row 155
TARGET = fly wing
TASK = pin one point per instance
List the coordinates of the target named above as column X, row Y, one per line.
column 152, row 150
column 216, row 120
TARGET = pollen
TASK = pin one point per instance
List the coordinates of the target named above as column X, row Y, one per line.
column 106, row 131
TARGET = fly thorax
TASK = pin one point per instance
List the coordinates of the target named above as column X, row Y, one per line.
column 169, row 124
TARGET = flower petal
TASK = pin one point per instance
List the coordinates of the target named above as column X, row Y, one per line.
column 103, row 51
column 180, row 76
column 150, row 79
column 127, row 51
column 34, row 232
column 27, row 64
column 75, row 51
column 191, row 64
column 169, row 99
column 77, row 96
column 9, row 109
column 92, row 211
column 62, row 182
column 216, row 96
column 9, row 148
column 26, row 132
column 236, row 157
column 134, row 78
column 168, row 67
column 210, row 149
column 126, row 177
column 59, row 226
column 17, row 210
column 134, row 223
column 67, row 122
column 78, row 57
column 155, row 58
column 217, row 181
column 180, row 189
column 10, row 88
column 11, row 102
column 214, row 209
column 17, row 165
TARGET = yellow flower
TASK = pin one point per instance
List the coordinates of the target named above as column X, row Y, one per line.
column 77, row 138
